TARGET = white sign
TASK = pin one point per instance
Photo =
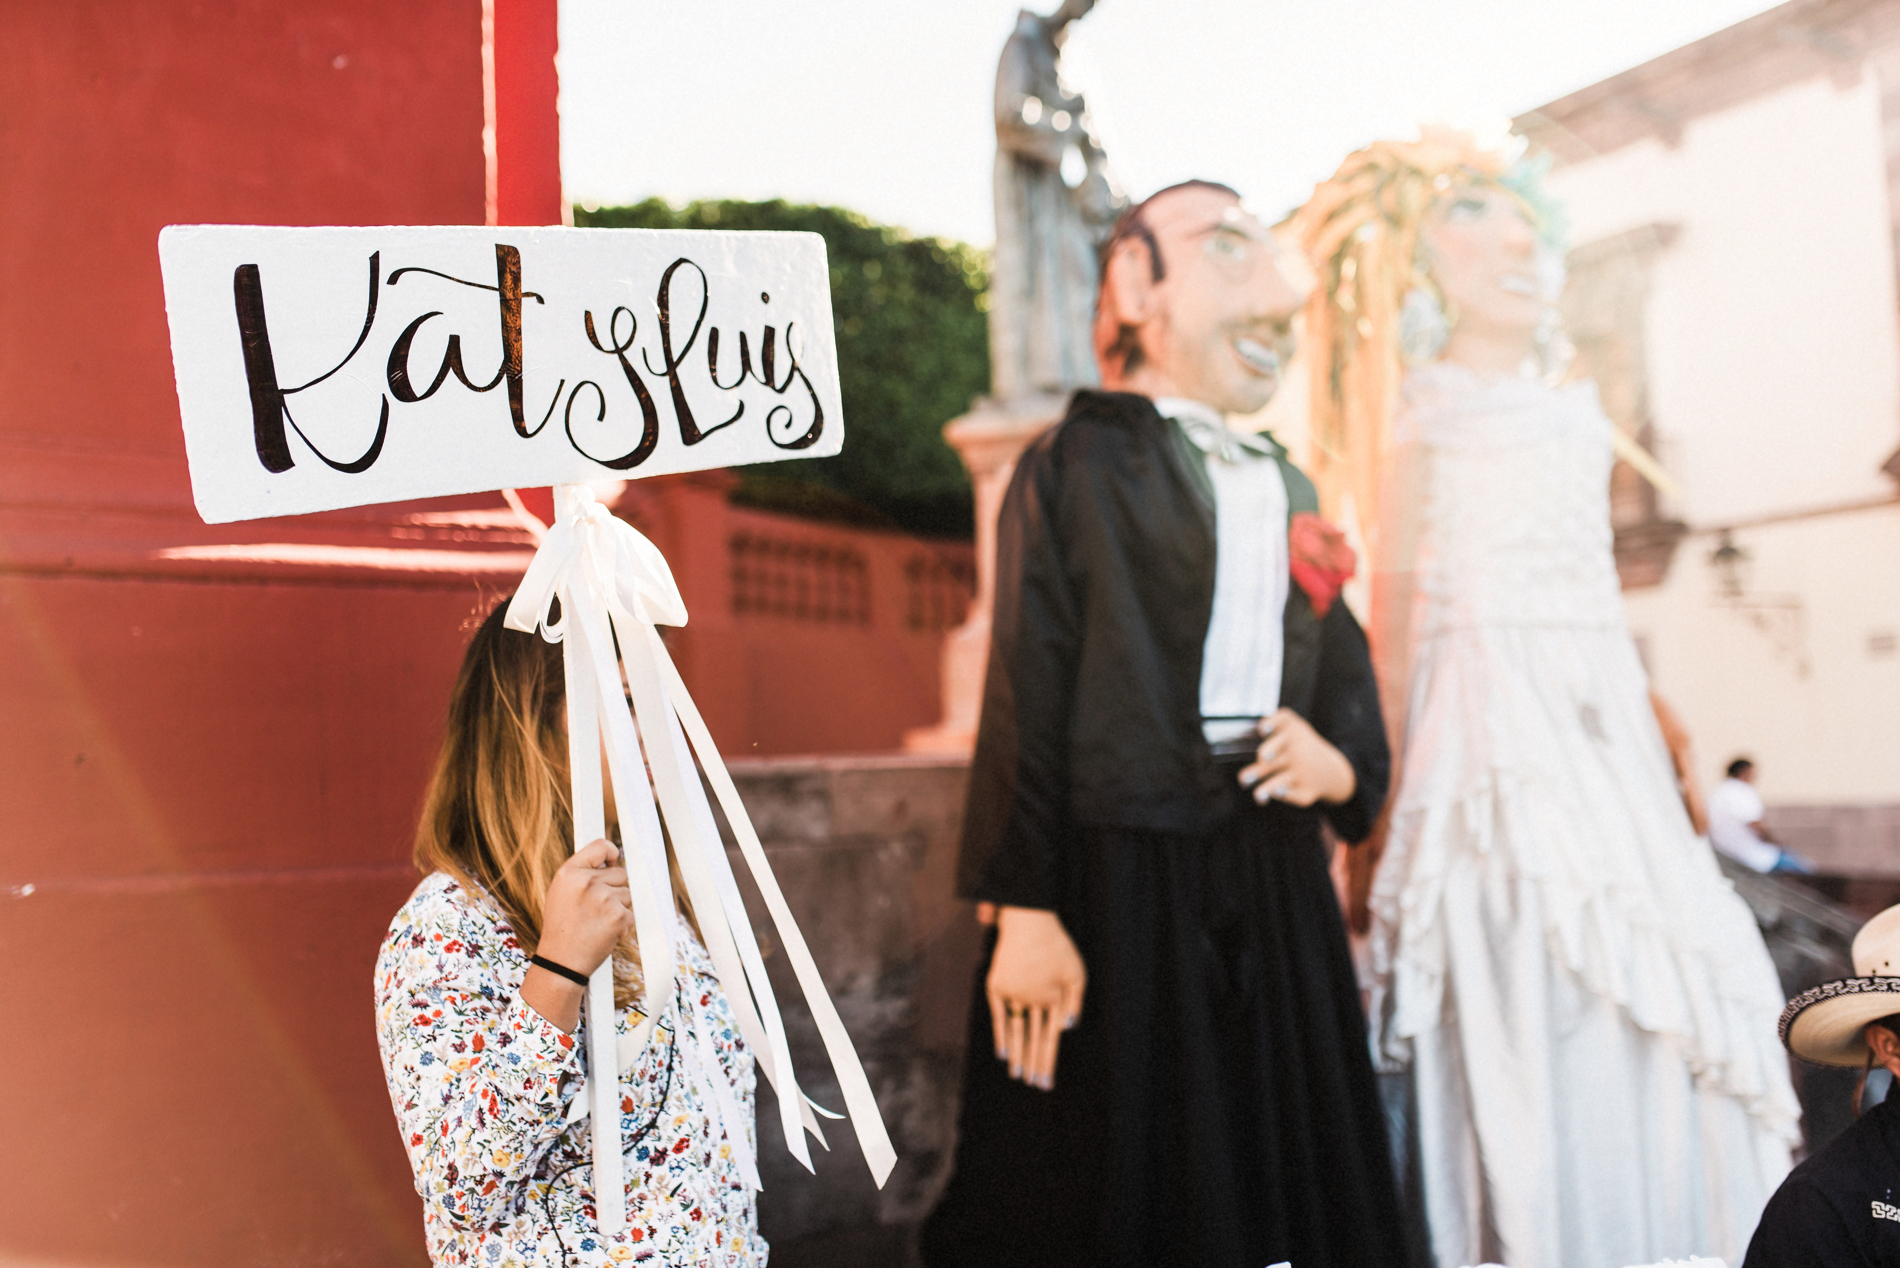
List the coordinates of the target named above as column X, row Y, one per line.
column 325, row 368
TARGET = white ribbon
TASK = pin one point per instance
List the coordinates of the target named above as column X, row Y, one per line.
column 612, row 582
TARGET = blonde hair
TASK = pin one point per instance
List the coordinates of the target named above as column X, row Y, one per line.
column 1361, row 231
column 497, row 816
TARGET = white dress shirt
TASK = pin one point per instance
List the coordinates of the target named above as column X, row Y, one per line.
column 1241, row 659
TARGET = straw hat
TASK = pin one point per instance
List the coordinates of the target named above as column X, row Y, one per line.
column 1824, row 1025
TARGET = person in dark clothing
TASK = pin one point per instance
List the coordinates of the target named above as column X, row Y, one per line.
column 1841, row 1208
column 1168, row 720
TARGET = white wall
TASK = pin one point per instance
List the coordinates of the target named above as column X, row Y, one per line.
column 1809, row 701
column 1774, row 386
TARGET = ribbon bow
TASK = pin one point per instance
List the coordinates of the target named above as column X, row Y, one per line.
column 619, row 557
column 611, row 582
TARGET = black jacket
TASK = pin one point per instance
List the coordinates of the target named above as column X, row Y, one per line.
column 1840, row 1208
column 1091, row 707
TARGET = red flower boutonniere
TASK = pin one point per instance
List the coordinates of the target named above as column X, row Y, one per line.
column 1319, row 559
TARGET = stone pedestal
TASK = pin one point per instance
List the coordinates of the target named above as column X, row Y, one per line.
column 865, row 849
column 989, row 439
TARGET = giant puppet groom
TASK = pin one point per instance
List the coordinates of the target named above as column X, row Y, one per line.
column 1168, row 1064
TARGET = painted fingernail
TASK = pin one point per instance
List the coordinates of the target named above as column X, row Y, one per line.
column 1015, row 1071
column 1248, row 779
column 1070, row 1024
column 1002, row 1054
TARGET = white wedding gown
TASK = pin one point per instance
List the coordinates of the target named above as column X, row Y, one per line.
column 1586, row 1007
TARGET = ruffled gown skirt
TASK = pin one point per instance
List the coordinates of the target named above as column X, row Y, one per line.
column 1586, row 1007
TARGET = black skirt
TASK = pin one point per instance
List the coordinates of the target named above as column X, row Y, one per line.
column 1216, row 1105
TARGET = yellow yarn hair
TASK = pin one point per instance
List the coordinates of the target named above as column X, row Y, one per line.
column 1360, row 230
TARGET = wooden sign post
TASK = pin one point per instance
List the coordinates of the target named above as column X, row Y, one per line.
column 327, row 368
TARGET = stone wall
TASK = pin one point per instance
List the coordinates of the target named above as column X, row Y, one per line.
column 1851, row 841
column 865, row 849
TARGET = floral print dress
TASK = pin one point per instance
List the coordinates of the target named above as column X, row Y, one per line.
column 481, row 1085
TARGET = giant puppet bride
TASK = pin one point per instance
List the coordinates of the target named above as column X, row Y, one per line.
column 1586, row 1009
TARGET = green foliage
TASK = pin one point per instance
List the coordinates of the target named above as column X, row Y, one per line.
column 913, row 351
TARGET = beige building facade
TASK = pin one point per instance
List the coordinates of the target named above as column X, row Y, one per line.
column 1733, row 210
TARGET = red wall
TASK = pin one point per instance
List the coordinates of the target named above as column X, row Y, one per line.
column 208, row 769
column 213, row 740
column 803, row 638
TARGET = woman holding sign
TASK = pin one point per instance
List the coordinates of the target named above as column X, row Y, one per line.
column 479, row 990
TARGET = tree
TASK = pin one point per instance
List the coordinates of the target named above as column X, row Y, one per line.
column 913, row 352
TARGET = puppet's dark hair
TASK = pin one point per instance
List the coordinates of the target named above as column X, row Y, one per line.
column 1119, row 349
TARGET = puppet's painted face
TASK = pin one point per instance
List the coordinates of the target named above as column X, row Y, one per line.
column 1223, row 326
column 1482, row 252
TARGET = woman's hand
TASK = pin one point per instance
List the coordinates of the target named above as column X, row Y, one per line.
column 1296, row 764
column 588, row 909
column 1035, row 990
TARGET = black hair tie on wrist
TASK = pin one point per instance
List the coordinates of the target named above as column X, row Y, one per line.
column 579, row 979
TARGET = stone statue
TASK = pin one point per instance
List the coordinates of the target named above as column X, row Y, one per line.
column 1054, row 208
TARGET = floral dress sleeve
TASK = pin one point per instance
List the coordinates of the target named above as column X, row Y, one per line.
column 480, row 1081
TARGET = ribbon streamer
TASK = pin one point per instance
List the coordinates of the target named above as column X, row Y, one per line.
column 614, row 586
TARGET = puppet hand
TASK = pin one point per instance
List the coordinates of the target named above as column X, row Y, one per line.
column 1361, row 862
column 1035, row 991
column 588, row 909
column 1296, row 764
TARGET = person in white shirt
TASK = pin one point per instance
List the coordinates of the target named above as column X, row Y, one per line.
column 1736, row 826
